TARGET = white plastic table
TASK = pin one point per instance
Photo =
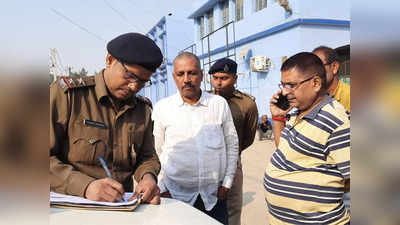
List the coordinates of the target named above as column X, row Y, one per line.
column 169, row 212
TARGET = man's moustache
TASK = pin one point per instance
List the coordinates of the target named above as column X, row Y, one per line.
column 187, row 85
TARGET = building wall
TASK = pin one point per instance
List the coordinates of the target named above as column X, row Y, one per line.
column 171, row 34
column 259, row 84
column 314, row 36
column 255, row 22
column 339, row 9
column 270, row 32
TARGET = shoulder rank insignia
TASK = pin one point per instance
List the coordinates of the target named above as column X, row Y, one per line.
column 67, row 83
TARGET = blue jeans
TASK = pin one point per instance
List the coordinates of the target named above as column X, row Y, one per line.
column 218, row 212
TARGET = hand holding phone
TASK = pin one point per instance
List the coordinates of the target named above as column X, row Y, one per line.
column 279, row 105
column 283, row 103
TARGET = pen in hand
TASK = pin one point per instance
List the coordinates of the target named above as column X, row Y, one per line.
column 104, row 165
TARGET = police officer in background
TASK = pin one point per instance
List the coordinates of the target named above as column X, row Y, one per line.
column 245, row 115
column 102, row 116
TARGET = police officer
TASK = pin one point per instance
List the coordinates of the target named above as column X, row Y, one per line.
column 102, row 116
column 245, row 115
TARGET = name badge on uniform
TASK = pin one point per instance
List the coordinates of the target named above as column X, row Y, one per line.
column 94, row 124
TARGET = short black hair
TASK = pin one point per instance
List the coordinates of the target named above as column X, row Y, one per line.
column 330, row 54
column 306, row 63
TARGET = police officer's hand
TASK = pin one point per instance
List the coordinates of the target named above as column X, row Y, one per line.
column 222, row 193
column 149, row 190
column 275, row 110
column 105, row 190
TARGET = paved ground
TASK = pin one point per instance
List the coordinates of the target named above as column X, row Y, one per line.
column 254, row 161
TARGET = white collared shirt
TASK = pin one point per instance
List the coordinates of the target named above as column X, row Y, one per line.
column 198, row 147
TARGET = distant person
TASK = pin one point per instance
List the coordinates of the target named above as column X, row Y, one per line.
column 197, row 141
column 335, row 87
column 309, row 172
column 265, row 128
column 245, row 116
column 101, row 116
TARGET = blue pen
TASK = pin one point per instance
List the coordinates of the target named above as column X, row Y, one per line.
column 104, row 165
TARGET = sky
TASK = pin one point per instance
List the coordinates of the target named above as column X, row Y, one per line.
column 79, row 30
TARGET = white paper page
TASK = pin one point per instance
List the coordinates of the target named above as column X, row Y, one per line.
column 61, row 198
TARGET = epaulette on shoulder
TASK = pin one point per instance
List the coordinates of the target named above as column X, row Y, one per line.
column 146, row 100
column 248, row 95
column 67, row 83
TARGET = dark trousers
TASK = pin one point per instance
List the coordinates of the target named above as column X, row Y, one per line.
column 218, row 212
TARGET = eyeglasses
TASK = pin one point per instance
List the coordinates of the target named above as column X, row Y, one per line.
column 293, row 86
column 132, row 78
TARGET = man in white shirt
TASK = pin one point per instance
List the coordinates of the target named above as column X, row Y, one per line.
column 197, row 142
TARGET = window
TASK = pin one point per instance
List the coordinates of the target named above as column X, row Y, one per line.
column 201, row 26
column 225, row 12
column 260, row 4
column 239, row 10
column 210, row 20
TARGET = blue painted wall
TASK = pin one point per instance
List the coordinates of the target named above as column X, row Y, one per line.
column 171, row 34
column 270, row 32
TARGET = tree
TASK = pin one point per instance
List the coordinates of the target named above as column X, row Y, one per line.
column 82, row 73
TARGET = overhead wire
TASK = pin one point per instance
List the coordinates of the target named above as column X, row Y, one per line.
column 167, row 16
column 76, row 24
column 123, row 16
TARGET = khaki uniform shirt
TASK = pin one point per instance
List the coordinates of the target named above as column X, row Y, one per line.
column 85, row 124
column 245, row 116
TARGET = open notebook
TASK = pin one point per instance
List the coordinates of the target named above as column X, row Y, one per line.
column 69, row 201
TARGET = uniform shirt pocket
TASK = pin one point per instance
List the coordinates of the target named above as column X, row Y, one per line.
column 86, row 150
column 87, row 144
column 213, row 136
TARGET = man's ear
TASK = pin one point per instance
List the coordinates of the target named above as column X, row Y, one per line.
column 317, row 83
column 109, row 60
column 235, row 76
column 335, row 67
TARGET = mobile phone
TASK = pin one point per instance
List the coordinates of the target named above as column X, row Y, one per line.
column 283, row 103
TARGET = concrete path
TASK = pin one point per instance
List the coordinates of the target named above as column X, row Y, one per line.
column 254, row 162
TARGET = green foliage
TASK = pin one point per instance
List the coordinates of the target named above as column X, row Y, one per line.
column 82, row 73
